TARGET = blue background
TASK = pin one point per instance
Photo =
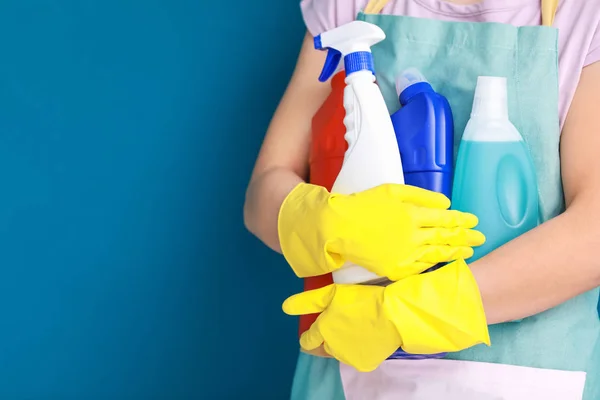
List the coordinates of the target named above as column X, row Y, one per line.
column 128, row 130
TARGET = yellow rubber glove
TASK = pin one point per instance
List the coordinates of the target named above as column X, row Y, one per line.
column 362, row 325
column 392, row 230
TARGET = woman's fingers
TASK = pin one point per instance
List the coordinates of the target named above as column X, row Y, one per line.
column 449, row 237
column 410, row 269
column 427, row 257
column 420, row 197
column 439, row 254
column 436, row 218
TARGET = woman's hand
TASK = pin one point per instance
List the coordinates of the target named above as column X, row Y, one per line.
column 363, row 325
column 392, row 230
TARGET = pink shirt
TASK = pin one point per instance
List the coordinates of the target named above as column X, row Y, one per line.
column 578, row 22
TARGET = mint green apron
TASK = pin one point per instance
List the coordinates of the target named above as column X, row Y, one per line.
column 452, row 55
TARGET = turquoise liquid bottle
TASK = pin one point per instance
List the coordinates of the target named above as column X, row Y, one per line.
column 495, row 177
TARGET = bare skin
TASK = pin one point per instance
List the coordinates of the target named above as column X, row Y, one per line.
column 283, row 159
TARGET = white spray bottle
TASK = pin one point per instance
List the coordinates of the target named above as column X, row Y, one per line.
column 372, row 158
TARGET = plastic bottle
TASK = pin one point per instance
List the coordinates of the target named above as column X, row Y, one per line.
column 326, row 158
column 425, row 133
column 424, row 129
column 327, row 150
column 372, row 158
column 495, row 177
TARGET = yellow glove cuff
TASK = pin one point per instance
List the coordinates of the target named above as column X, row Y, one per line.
column 302, row 218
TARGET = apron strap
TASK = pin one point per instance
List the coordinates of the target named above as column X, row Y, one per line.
column 375, row 6
column 548, row 9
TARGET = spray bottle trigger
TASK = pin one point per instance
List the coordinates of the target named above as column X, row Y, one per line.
column 331, row 63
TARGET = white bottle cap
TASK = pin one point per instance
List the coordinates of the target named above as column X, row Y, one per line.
column 408, row 78
column 491, row 98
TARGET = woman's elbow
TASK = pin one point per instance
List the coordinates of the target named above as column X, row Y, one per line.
column 256, row 215
column 256, row 224
column 586, row 232
column 250, row 219
column 593, row 250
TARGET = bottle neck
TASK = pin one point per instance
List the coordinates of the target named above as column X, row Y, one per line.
column 360, row 76
column 360, row 61
column 411, row 91
column 490, row 108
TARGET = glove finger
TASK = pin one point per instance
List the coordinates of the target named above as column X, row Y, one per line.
column 449, row 237
column 311, row 302
column 420, row 197
column 438, row 254
column 434, row 218
column 312, row 338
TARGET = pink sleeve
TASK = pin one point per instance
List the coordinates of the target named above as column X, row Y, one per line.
column 594, row 53
column 322, row 15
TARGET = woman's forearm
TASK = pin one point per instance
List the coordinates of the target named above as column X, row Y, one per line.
column 264, row 197
column 558, row 260
column 543, row 268
column 283, row 158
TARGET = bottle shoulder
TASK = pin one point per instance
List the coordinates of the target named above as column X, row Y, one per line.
column 491, row 130
column 424, row 111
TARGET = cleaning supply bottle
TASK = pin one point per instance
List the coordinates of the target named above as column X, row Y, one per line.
column 327, row 149
column 424, row 129
column 372, row 158
column 495, row 177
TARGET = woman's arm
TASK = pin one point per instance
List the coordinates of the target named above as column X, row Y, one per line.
column 283, row 160
column 558, row 260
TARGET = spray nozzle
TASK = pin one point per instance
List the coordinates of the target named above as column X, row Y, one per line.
column 352, row 41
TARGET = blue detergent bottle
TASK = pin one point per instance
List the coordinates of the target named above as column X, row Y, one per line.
column 495, row 177
column 424, row 129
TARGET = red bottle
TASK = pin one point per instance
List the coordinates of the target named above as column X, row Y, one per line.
column 327, row 152
column 326, row 158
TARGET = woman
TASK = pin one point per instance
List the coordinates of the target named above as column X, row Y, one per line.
column 548, row 277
